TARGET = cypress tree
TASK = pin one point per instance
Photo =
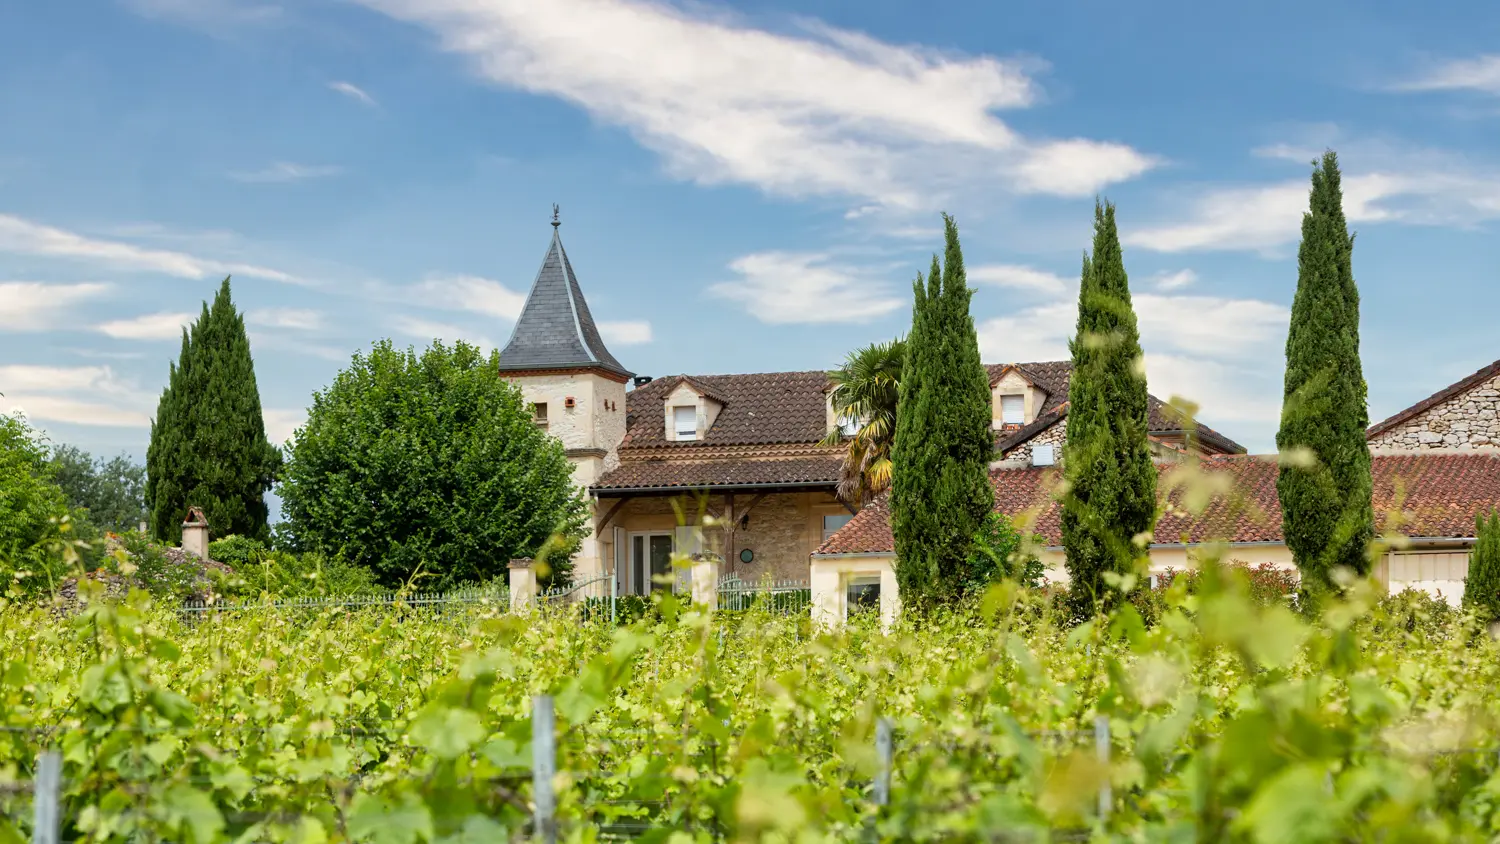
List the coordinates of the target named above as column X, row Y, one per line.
column 1111, row 480
column 208, row 441
column 1482, row 586
column 940, row 491
column 1324, row 484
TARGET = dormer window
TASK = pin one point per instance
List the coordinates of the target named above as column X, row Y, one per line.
column 848, row 426
column 1013, row 409
column 685, row 423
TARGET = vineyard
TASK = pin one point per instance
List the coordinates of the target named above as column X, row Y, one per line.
column 1229, row 718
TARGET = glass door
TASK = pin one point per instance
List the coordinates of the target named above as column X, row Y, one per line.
column 650, row 558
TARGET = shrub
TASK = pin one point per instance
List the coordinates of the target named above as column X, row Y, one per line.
column 1001, row 552
column 259, row 570
column 1482, row 586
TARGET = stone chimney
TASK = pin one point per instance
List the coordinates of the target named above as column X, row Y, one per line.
column 195, row 534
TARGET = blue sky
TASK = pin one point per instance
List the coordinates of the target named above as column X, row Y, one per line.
column 743, row 188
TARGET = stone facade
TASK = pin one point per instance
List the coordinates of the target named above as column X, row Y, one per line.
column 1019, row 457
column 1469, row 421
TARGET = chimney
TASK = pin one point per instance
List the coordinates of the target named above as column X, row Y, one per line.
column 195, row 534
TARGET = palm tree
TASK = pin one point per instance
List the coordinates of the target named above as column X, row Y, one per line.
column 864, row 398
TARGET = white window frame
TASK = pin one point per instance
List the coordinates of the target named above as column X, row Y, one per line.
column 848, row 425
column 1020, row 412
column 678, row 433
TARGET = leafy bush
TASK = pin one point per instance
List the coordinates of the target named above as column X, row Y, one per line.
column 113, row 492
column 1001, row 552
column 428, row 466
column 35, row 520
column 164, row 572
column 259, row 570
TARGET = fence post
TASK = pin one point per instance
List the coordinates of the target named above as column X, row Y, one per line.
column 543, row 769
column 46, row 797
column 884, row 751
column 1101, row 746
column 704, row 580
column 522, row 584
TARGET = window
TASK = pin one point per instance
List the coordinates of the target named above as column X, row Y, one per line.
column 862, row 593
column 848, row 426
column 539, row 414
column 1013, row 410
column 832, row 523
column 685, row 422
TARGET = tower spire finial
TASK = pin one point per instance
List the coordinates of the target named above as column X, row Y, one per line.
column 555, row 221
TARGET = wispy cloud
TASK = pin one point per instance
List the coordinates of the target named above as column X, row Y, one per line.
column 1175, row 280
column 818, row 112
column 37, row 306
column 161, row 326
column 300, row 319
column 212, row 15
column 426, row 331
column 469, row 293
column 352, row 91
column 24, row 237
column 787, row 287
column 80, row 395
column 1421, row 189
column 282, row 422
column 1481, row 73
column 625, row 332
column 285, row 172
column 1019, row 277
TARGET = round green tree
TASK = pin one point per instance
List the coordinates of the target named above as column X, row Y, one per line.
column 429, row 464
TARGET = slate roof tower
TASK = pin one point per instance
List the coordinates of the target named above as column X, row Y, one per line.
column 575, row 387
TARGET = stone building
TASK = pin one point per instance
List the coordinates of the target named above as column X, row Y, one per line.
column 1463, row 416
column 730, row 463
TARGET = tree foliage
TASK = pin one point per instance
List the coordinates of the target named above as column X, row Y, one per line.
column 1324, row 482
column 1111, row 481
column 112, row 492
column 867, row 390
column 208, row 442
column 429, row 463
column 34, row 511
column 1482, row 586
column 940, row 492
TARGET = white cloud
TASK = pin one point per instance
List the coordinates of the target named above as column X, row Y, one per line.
column 300, row 319
column 428, row 330
column 1175, row 280
column 36, row 306
column 470, row 293
column 285, row 172
column 24, row 237
column 352, row 91
column 81, row 395
column 1220, row 353
column 1476, row 74
column 1020, row 277
column 282, row 422
column 1390, row 185
column 625, row 332
column 160, row 326
column 784, row 287
column 822, row 112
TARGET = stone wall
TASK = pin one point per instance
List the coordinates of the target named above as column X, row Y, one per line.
column 783, row 529
column 1470, row 421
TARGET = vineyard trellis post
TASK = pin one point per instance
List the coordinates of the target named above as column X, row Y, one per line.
column 1101, row 747
column 46, row 798
column 543, row 769
column 884, row 751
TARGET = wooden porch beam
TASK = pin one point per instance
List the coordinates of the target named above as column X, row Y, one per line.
column 609, row 514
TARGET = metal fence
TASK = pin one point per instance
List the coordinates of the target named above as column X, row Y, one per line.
column 499, row 596
column 787, row 597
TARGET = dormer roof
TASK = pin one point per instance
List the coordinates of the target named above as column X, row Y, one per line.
column 555, row 329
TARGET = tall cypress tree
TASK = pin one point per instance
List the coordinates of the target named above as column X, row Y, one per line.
column 208, row 442
column 1482, row 586
column 1326, row 512
column 1107, row 457
column 940, row 491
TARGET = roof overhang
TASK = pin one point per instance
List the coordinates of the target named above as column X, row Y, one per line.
column 618, row 375
column 712, row 489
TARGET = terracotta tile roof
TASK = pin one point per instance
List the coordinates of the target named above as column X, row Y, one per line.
column 1053, row 377
column 1440, row 496
column 1448, row 392
column 678, row 473
column 759, row 408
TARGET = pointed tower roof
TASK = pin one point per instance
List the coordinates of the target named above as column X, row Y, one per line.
column 556, row 330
